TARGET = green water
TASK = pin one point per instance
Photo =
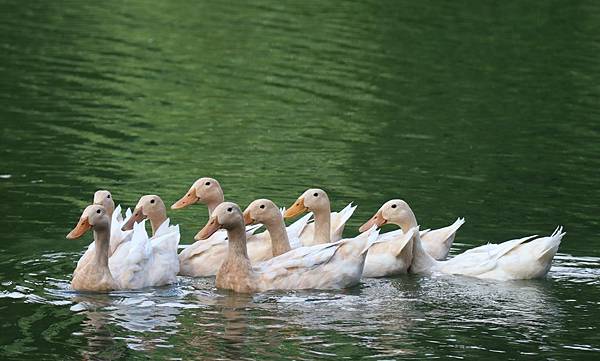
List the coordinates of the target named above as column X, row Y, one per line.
column 487, row 110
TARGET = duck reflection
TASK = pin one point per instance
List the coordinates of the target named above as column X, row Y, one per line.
column 139, row 316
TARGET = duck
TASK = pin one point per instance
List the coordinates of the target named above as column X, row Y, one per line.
column 203, row 258
column 156, row 256
column 117, row 236
column 95, row 275
column 392, row 253
column 519, row 259
column 327, row 226
column 334, row 265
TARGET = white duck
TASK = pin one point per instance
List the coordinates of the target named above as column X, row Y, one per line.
column 203, row 258
column 117, row 236
column 147, row 261
column 392, row 253
column 323, row 266
column 94, row 275
column 523, row 258
column 328, row 226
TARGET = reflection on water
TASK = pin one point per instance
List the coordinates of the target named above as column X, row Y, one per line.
column 381, row 318
column 487, row 111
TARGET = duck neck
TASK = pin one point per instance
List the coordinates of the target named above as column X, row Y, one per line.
column 110, row 209
column 280, row 243
column 102, row 241
column 214, row 201
column 323, row 225
column 156, row 220
column 237, row 244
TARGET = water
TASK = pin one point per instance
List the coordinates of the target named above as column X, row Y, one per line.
column 487, row 111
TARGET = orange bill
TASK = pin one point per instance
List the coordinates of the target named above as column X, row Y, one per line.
column 376, row 220
column 80, row 229
column 296, row 209
column 248, row 220
column 211, row 227
column 187, row 200
column 136, row 217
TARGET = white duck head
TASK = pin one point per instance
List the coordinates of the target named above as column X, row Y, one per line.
column 395, row 211
column 206, row 191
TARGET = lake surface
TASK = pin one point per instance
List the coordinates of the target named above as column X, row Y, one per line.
column 488, row 111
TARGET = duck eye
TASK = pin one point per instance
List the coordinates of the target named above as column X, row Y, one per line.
column 262, row 206
column 316, row 194
column 229, row 209
column 98, row 211
column 207, row 183
column 152, row 201
column 394, row 205
column 108, row 196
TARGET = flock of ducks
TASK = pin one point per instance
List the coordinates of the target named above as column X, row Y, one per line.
column 308, row 254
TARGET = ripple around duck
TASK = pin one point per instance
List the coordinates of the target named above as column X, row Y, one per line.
column 372, row 317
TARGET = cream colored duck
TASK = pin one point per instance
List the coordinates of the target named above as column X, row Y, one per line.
column 392, row 253
column 524, row 258
column 203, row 258
column 328, row 226
column 117, row 236
column 155, row 256
column 324, row 266
column 95, row 275
column 436, row 242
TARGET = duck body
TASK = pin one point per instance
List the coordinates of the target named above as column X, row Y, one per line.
column 91, row 278
column 525, row 258
column 204, row 258
column 334, row 265
column 144, row 261
column 324, row 266
column 390, row 255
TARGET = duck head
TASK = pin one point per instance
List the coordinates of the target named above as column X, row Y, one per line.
column 93, row 216
column 205, row 190
column 313, row 200
column 149, row 206
column 104, row 198
column 227, row 216
column 395, row 211
column 261, row 211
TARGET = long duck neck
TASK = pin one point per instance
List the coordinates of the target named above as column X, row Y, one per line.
column 102, row 241
column 213, row 201
column 322, row 225
column 156, row 219
column 237, row 250
column 280, row 243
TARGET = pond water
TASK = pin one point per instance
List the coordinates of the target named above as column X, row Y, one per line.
column 488, row 111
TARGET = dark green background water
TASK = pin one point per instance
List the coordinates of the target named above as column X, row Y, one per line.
column 487, row 110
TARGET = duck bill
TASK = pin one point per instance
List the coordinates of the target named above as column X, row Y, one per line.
column 211, row 227
column 136, row 217
column 187, row 200
column 80, row 229
column 296, row 209
column 248, row 220
column 376, row 220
